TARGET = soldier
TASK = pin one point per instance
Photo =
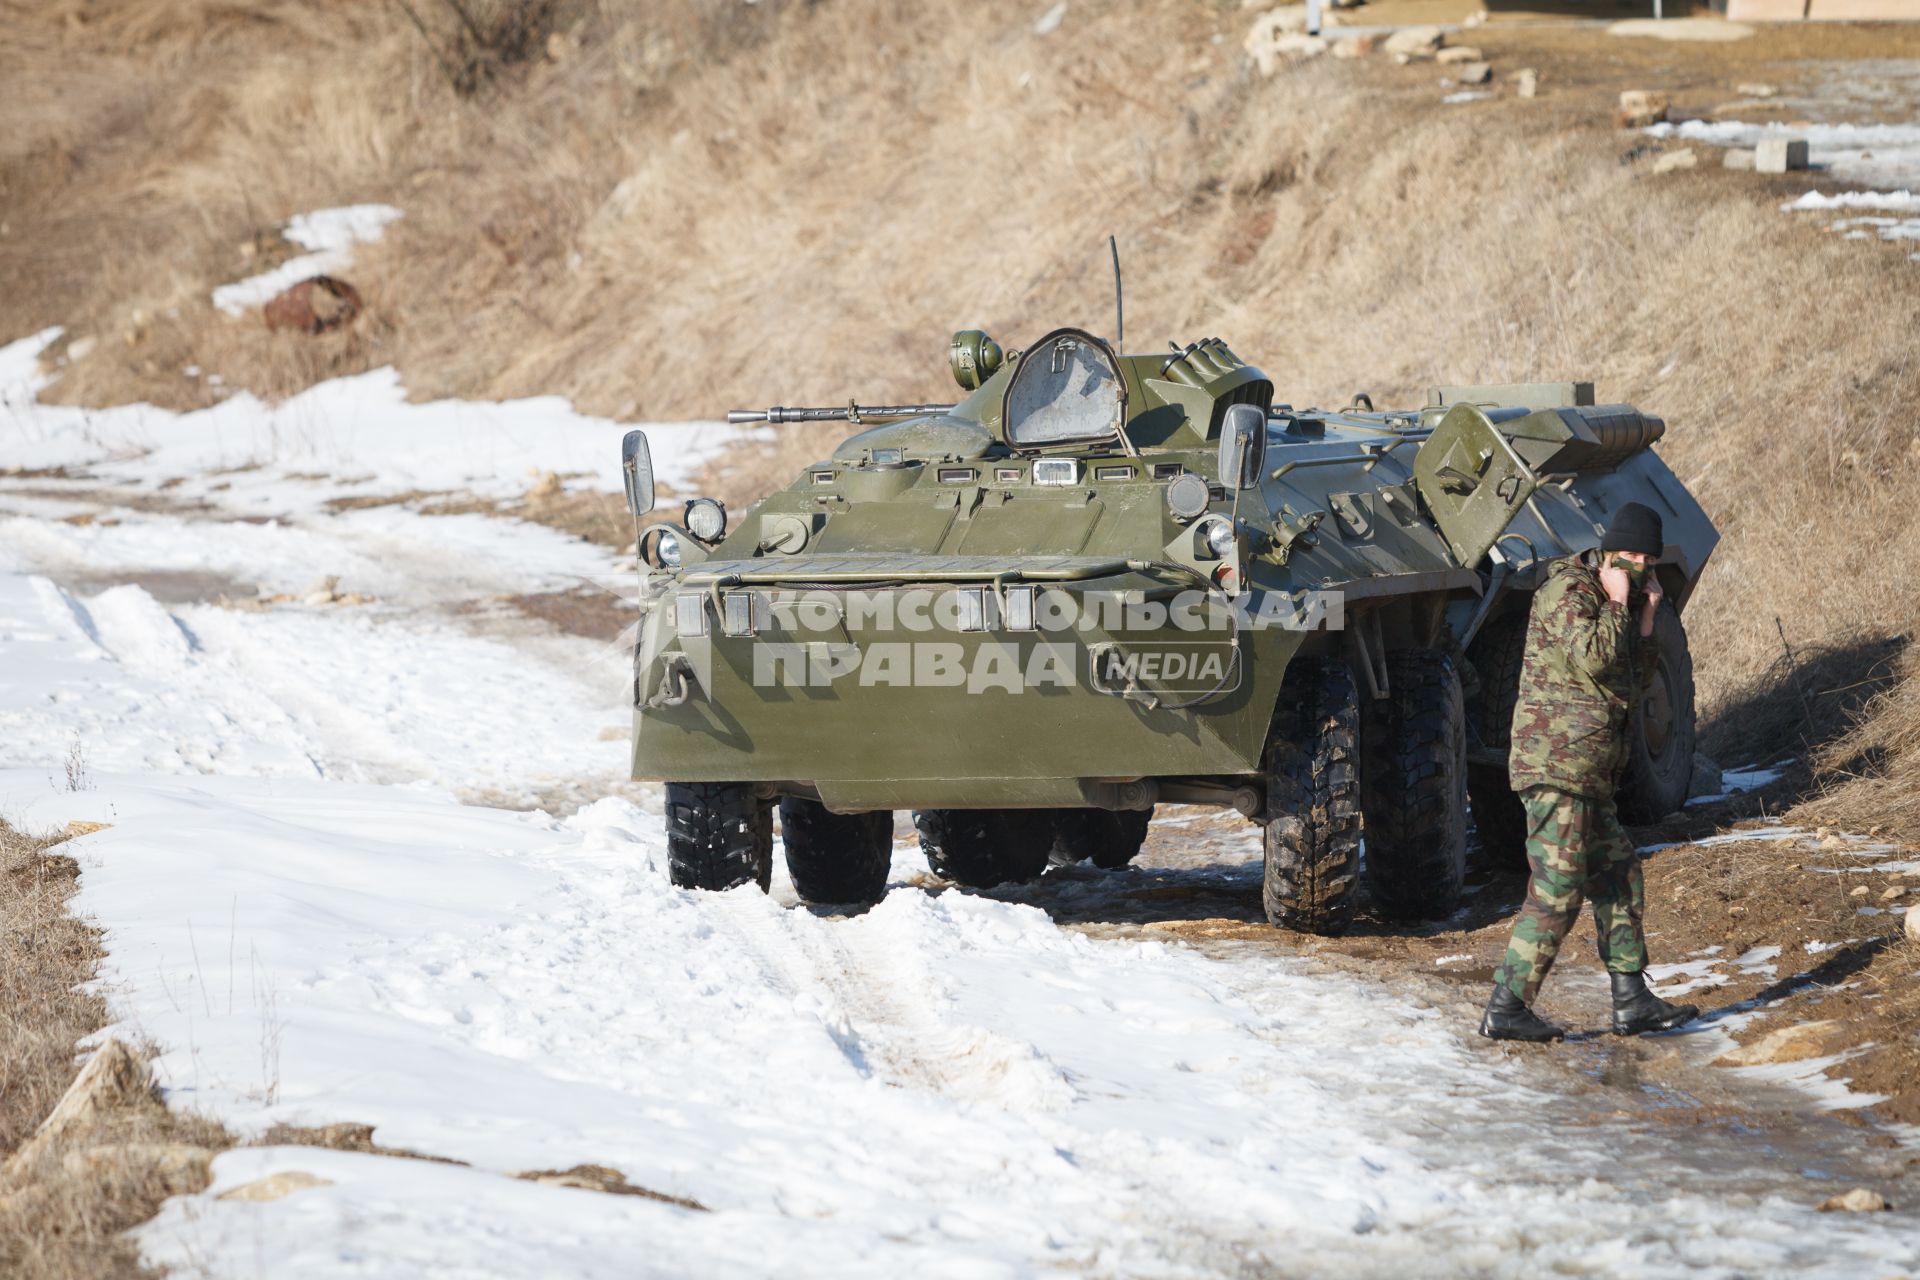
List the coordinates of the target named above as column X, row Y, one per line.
column 1589, row 658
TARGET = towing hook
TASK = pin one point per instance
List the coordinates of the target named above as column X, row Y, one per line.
column 676, row 683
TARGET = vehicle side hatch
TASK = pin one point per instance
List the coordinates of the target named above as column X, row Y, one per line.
column 1472, row 481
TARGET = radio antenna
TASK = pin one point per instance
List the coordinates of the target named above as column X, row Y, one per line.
column 1119, row 311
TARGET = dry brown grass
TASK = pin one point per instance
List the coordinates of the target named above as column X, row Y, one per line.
column 62, row 1216
column 697, row 206
column 45, row 956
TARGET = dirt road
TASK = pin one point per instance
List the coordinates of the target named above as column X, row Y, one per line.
column 1102, row 1072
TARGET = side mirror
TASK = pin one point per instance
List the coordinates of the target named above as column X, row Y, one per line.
column 1243, row 446
column 636, row 468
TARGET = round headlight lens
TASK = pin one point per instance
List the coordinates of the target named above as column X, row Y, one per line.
column 706, row 519
column 1220, row 538
column 668, row 549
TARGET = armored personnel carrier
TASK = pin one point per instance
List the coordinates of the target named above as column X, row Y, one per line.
column 1102, row 582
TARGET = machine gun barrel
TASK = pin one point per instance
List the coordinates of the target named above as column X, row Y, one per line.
column 842, row 413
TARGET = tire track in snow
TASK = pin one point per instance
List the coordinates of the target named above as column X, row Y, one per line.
column 890, row 1014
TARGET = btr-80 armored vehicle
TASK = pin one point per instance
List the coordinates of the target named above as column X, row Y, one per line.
column 1102, row 582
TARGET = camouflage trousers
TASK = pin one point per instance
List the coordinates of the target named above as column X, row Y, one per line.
column 1575, row 847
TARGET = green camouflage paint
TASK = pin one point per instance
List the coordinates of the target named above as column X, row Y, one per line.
column 1393, row 513
column 1578, row 685
column 1576, row 848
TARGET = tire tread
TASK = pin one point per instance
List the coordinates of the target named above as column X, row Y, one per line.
column 1312, row 829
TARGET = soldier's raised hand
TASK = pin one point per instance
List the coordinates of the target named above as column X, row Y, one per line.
column 1615, row 583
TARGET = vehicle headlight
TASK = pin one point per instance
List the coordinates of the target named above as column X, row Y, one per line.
column 1220, row 538
column 706, row 519
column 668, row 549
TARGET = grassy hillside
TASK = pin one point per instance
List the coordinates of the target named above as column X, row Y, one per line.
column 669, row 209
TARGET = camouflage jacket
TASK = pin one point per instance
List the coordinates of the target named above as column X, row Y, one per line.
column 1586, row 664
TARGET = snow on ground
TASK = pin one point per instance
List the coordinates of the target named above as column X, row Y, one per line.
column 1885, row 156
column 328, row 235
column 346, row 437
column 946, row 1085
column 1737, row 781
column 293, row 693
column 1881, row 156
column 303, row 916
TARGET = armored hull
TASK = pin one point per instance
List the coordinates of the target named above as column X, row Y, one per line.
column 1103, row 581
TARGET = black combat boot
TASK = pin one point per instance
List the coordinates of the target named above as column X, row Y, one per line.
column 1636, row 1009
column 1508, row 1019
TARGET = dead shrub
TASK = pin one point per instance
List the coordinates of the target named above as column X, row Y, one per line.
column 63, row 1212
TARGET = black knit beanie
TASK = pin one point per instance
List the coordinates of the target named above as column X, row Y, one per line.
column 1635, row 527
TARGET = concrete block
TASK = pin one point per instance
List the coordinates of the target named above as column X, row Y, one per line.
column 1780, row 155
column 1640, row 108
column 1863, row 10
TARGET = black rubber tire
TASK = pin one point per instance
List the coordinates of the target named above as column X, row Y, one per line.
column 1312, row 825
column 836, row 857
column 1413, row 786
column 1105, row 837
column 1499, row 821
column 980, row 848
column 1655, row 782
column 719, row 835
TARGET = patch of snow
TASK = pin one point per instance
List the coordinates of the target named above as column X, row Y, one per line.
column 1738, row 781
column 1909, row 868
column 328, row 235
column 1698, row 974
column 1869, row 155
column 1757, row 960
column 360, row 424
column 1465, row 95
column 1751, row 779
column 1454, row 959
column 339, row 693
column 1809, row 1076
column 1710, row 30
column 1729, row 837
column 1897, row 201
column 1816, row 948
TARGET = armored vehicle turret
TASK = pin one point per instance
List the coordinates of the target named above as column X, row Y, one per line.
column 1102, row 582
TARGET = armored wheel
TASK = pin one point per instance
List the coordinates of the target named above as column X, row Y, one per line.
column 719, row 835
column 1661, row 736
column 1413, row 777
column 1312, row 829
column 1499, row 821
column 980, row 848
column 836, row 857
column 1100, row 836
